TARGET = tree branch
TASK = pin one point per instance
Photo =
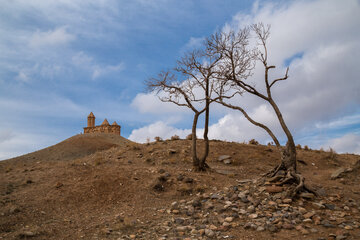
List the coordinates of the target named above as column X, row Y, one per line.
column 280, row 79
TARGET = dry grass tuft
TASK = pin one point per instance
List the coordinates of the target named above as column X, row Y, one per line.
column 253, row 142
column 98, row 158
column 175, row 137
column 158, row 139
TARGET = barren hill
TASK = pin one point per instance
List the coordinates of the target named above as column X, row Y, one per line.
column 106, row 187
column 75, row 147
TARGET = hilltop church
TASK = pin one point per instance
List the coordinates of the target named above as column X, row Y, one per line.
column 105, row 127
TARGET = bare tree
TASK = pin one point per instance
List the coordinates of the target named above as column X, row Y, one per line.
column 237, row 60
column 194, row 91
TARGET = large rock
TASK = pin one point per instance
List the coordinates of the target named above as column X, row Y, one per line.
column 338, row 172
column 274, row 189
column 222, row 158
column 307, row 195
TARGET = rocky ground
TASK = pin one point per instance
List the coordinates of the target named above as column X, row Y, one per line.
column 117, row 189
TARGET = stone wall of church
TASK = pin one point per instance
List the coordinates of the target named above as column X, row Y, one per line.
column 113, row 129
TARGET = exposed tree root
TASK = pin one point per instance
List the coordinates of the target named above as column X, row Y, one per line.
column 273, row 172
column 202, row 168
column 295, row 181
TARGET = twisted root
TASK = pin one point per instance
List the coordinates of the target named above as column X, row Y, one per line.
column 291, row 177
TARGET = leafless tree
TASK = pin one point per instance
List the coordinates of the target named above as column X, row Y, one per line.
column 237, row 61
column 194, row 90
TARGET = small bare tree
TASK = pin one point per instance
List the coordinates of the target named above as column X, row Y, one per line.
column 237, row 56
column 194, row 91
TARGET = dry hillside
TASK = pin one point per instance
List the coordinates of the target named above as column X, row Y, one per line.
column 106, row 187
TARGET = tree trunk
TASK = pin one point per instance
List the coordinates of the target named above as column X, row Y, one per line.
column 288, row 160
column 202, row 164
column 193, row 133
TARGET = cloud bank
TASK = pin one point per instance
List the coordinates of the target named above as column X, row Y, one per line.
column 319, row 42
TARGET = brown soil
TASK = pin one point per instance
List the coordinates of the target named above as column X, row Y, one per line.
column 98, row 186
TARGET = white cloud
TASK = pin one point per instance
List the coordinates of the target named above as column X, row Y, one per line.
column 160, row 129
column 349, row 143
column 193, row 42
column 58, row 36
column 22, row 142
column 231, row 127
column 103, row 70
column 6, row 135
column 339, row 123
column 323, row 85
column 88, row 63
column 150, row 103
column 82, row 59
column 22, row 76
column 34, row 105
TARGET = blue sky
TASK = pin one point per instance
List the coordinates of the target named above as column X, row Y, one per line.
column 62, row 59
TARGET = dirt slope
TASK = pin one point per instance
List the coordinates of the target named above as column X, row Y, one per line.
column 106, row 187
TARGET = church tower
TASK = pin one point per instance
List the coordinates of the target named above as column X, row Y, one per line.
column 91, row 120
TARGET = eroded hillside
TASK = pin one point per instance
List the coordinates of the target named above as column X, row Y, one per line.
column 106, row 187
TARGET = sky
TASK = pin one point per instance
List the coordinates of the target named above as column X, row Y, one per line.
column 60, row 60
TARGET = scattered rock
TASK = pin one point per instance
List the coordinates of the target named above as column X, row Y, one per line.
column 26, row 234
column 327, row 224
column 216, row 196
column 260, row 229
column 29, row 181
column 253, row 216
column 307, row 195
column 14, row 209
column 288, row 226
column 274, row 189
column 172, row 151
column 318, row 205
column 158, row 187
column 309, row 214
column 180, row 177
column 228, row 161
column 209, row 233
column 189, row 180
column 179, row 221
column 329, row 206
column 223, row 157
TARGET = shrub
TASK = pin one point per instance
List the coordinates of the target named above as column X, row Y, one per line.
column 253, row 142
column 298, row 146
column 158, row 139
column 175, row 137
column 306, row 148
column 189, row 137
column 99, row 158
